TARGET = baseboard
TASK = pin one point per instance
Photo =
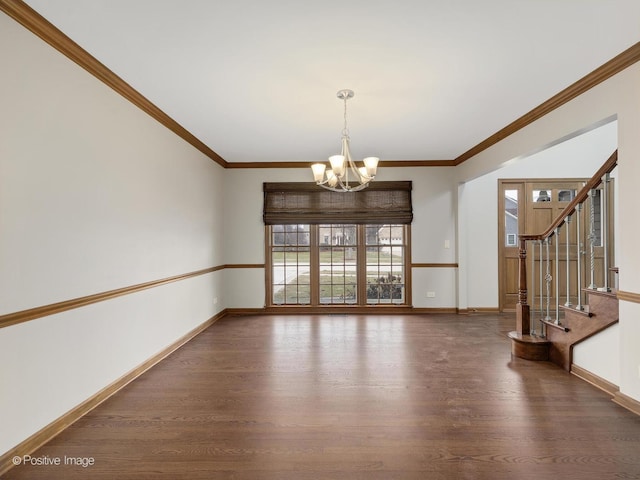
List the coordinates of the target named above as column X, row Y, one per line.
column 595, row 380
column 245, row 311
column 627, row 402
column 339, row 310
column 621, row 399
column 471, row 310
column 428, row 310
column 41, row 437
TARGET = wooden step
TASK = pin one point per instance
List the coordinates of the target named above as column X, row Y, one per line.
column 577, row 326
column 529, row 347
column 586, row 312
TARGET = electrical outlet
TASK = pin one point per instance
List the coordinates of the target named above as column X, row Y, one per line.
column 431, row 294
column 638, row 371
column 215, row 300
column 447, row 244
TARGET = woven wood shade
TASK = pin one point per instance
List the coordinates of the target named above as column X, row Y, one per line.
column 301, row 202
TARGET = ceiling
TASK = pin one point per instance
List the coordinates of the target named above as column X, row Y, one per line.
column 256, row 80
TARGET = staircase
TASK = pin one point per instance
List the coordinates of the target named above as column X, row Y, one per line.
column 544, row 338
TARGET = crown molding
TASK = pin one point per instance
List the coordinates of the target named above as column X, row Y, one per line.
column 382, row 163
column 599, row 75
column 37, row 24
column 268, row 164
column 417, row 163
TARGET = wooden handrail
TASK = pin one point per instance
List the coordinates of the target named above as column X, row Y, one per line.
column 581, row 197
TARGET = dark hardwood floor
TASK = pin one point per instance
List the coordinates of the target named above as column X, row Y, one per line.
column 351, row 397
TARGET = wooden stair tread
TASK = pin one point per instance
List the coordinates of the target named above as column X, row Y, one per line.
column 604, row 293
column 555, row 325
column 585, row 312
column 518, row 337
column 529, row 347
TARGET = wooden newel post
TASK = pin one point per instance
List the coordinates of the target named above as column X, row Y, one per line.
column 523, row 326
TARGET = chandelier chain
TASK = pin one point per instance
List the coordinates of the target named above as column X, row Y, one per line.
column 345, row 130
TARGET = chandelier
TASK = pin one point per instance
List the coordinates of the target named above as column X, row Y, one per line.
column 336, row 179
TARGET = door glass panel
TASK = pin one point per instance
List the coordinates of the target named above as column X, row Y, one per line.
column 542, row 195
column 511, row 217
column 566, row 195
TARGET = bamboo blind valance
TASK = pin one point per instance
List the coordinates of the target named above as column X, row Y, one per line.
column 297, row 202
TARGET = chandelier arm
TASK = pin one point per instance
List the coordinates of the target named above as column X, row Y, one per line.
column 350, row 164
column 347, row 158
column 343, row 190
column 353, row 167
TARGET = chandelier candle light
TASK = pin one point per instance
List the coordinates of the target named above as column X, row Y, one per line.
column 337, row 178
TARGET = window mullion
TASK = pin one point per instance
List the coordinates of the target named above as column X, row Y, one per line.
column 406, row 264
column 362, row 265
column 314, row 263
column 268, row 253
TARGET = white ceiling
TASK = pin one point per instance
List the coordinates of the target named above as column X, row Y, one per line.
column 256, row 80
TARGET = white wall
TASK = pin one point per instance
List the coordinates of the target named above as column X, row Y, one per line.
column 434, row 206
column 578, row 157
column 94, row 195
column 244, row 232
column 619, row 95
column 628, row 208
column 600, row 354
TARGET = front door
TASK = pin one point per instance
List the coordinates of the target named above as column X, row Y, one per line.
column 545, row 201
column 530, row 206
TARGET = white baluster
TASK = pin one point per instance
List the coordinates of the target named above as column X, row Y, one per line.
column 557, row 274
column 568, row 225
column 542, row 325
column 592, row 238
column 533, row 285
column 580, row 252
column 604, row 215
column 547, row 279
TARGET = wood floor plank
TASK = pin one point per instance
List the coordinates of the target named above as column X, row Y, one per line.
column 351, row 397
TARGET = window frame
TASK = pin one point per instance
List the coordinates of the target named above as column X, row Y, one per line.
column 361, row 272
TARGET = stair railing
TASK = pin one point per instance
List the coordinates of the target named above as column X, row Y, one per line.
column 588, row 198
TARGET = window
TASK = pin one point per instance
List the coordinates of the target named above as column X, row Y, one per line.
column 385, row 263
column 290, row 260
column 326, row 248
column 337, row 264
column 511, row 217
column 338, row 253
